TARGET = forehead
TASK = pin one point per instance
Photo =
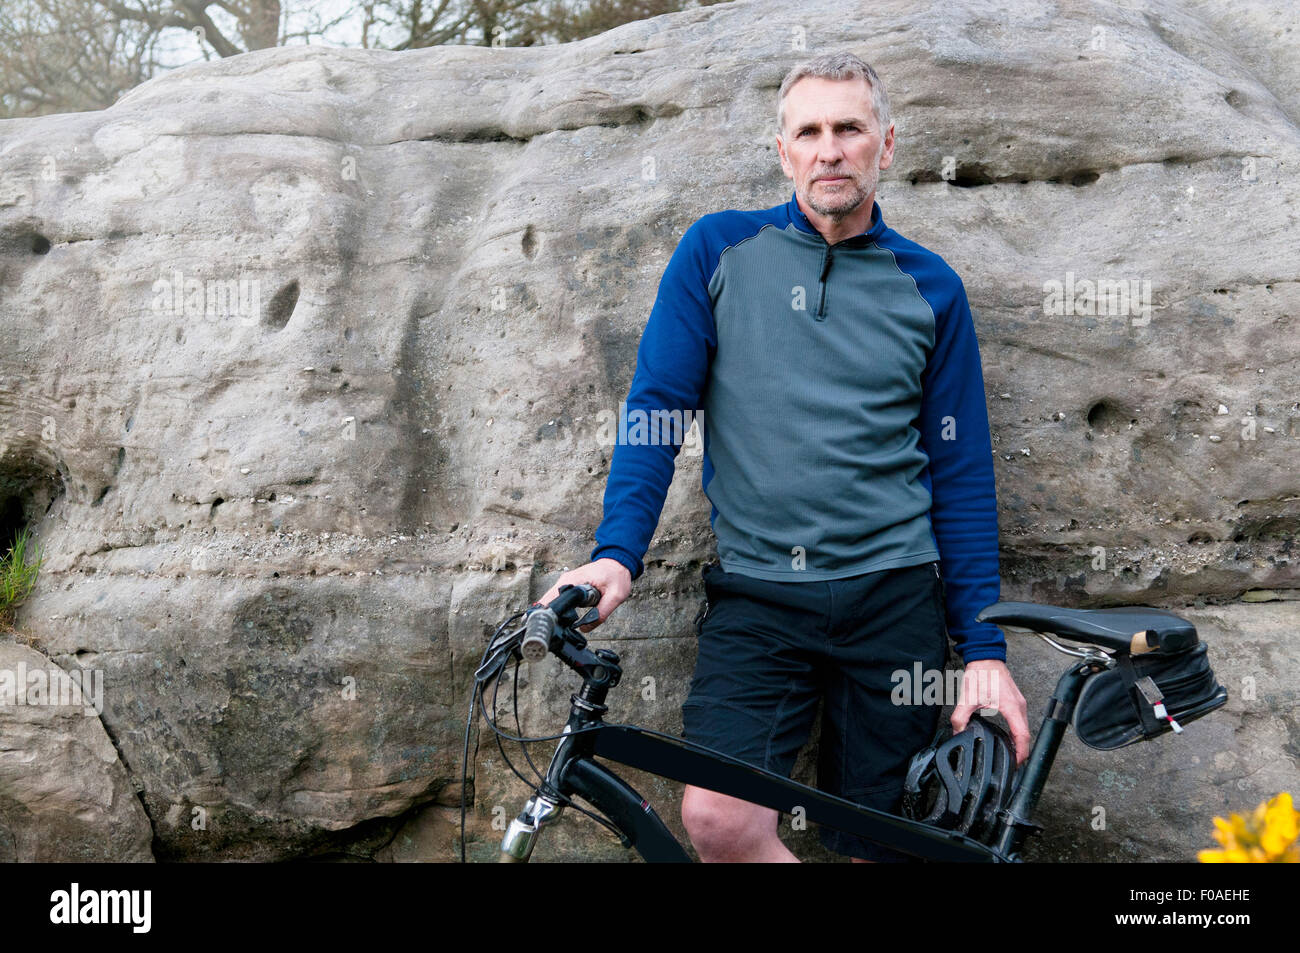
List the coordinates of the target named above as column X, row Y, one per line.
column 815, row 99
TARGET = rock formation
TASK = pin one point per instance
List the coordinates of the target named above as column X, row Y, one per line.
column 305, row 357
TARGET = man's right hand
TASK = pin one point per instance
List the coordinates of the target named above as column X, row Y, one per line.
column 610, row 576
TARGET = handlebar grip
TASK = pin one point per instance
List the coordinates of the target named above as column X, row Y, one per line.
column 542, row 622
column 571, row 597
column 537, row 635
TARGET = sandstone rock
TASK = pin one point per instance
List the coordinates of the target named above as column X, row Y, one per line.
column 64, row 794
column 285, row 530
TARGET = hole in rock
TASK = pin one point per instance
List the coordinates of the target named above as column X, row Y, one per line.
column 1108, row 417
column 280, row 309
column 28, row 490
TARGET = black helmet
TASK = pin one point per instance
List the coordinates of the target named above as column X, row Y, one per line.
column 962, row 783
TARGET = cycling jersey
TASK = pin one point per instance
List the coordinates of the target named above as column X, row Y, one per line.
column 842, row 405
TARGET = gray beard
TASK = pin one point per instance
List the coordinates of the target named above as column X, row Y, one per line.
column 849, row 201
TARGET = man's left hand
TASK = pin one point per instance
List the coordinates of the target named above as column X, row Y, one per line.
column 987, row 683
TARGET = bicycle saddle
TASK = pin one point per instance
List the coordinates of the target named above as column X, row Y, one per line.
column 1124, row 630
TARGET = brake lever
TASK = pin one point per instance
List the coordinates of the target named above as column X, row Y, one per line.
column 498, row 655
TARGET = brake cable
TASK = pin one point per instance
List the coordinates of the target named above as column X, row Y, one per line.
column 470, row 724
column 477, row 696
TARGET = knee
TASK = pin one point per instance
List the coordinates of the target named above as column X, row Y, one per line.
column 724, row 828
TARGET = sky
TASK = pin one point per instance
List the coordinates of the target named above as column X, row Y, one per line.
column 176, row 48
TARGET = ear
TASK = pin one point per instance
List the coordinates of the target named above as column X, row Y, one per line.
column 887, row 149
column 785, row 160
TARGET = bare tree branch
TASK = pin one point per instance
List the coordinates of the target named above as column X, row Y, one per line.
column 61, row 55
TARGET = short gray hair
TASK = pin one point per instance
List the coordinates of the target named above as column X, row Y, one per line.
column 836, row 66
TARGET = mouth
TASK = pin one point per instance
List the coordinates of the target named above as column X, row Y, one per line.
column 833, row 179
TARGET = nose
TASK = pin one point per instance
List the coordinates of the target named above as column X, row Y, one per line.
column 829, row 150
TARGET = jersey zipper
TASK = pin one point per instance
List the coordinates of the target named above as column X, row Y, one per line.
column 827, row 255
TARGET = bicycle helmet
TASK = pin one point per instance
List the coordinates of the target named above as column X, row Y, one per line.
column 961, row 784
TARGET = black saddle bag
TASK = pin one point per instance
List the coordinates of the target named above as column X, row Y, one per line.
column 1146, row 695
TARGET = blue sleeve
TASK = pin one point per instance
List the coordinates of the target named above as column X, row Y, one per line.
column 954, row 428
column 672, row 366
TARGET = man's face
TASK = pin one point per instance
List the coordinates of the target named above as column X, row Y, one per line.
column 833, row 147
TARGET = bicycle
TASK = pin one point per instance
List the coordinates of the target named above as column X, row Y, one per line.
column 1107, row 637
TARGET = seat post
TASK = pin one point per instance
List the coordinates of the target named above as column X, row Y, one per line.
column 1017, row 824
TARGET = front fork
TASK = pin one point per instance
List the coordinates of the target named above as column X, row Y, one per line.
column 586, row 708
column 545, row 805
column 521, row 835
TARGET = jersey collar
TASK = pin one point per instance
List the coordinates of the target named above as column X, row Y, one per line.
column 801, row 222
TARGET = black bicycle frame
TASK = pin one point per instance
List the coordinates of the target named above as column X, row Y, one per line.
column 702, row 767
column 572, row 772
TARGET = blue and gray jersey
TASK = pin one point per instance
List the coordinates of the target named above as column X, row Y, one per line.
column 842, row 406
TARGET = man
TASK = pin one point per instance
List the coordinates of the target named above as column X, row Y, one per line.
column 848, row 459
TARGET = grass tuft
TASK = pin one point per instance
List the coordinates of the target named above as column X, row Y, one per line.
column 18, row 569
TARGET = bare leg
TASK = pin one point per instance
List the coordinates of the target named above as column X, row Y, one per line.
column 724, row 829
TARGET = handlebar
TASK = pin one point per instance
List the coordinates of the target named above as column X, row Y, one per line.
column 571, row 597
column 543, row 619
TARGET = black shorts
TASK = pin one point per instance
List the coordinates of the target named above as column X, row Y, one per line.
column 768, row 651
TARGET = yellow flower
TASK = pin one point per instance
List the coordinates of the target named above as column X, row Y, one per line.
column 1223, row 857
column 1271, row 834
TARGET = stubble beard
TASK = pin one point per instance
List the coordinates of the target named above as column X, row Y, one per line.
column 840, row 203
